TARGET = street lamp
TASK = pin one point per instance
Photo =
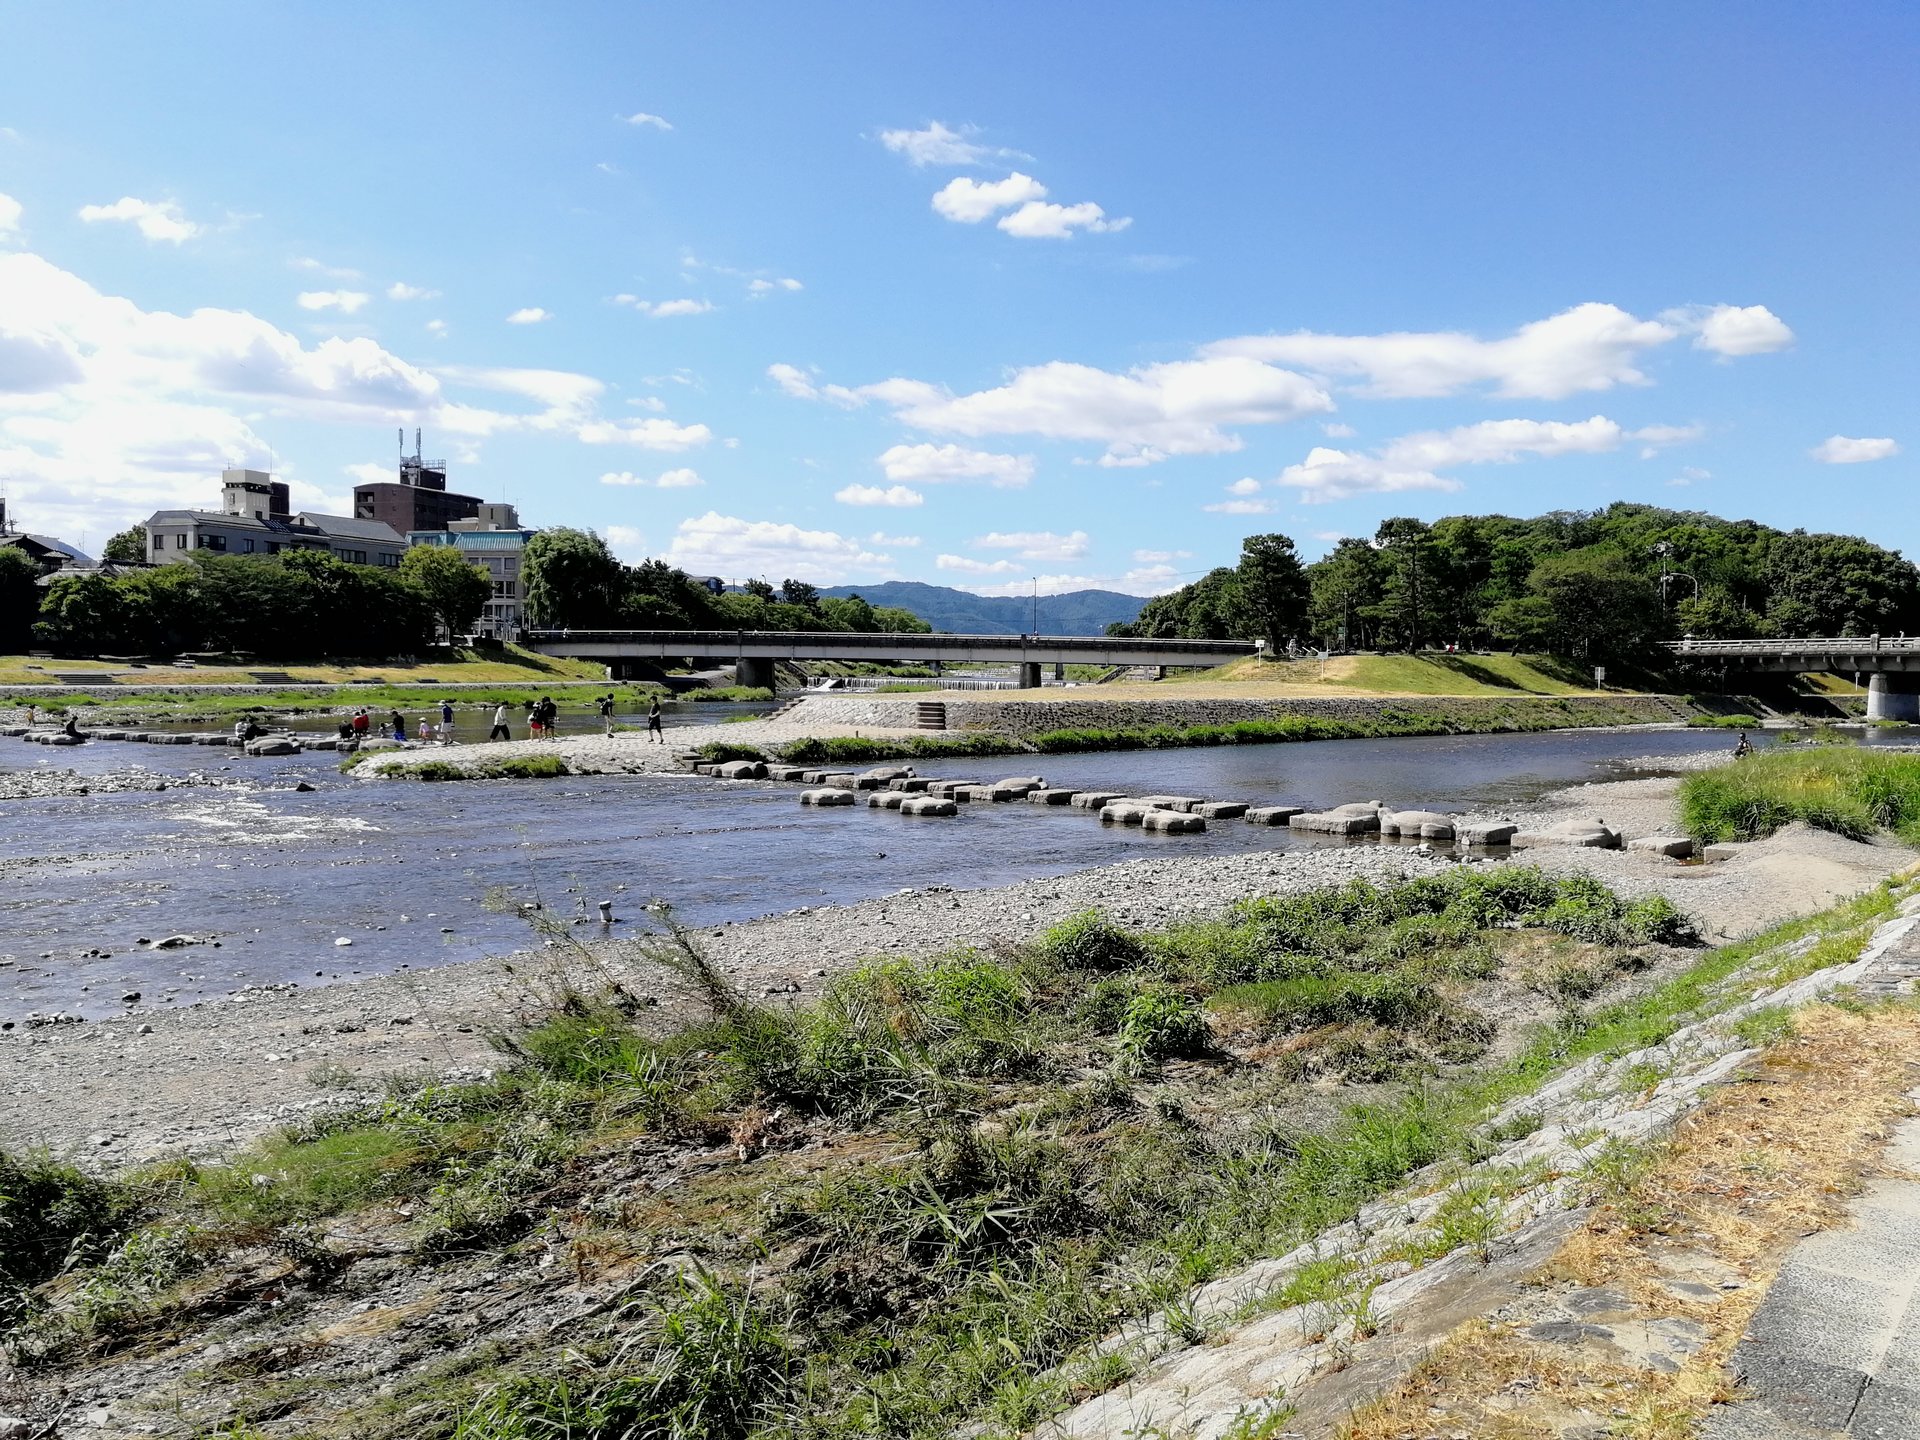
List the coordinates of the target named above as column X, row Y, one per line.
column 1663, row 550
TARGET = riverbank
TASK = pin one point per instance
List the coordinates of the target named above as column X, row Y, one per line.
column 210, row 1075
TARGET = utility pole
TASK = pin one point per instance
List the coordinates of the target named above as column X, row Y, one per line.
column 1036, row 605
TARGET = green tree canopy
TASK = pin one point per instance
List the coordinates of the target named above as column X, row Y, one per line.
column 1272, row 589
column 456, row 590
column 129, row 547
column 19, row 599
column 570, row 580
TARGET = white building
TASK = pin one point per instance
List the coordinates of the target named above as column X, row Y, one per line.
column 493, row 540
column 253, row 519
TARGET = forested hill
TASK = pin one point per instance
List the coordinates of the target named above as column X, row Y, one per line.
column 1078, row 612
column 1595, row 585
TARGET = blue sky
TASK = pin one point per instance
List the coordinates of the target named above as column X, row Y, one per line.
column 970, row 294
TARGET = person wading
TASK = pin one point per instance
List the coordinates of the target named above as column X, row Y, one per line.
column 606, row 714
column 654, row 732
column 500, row 731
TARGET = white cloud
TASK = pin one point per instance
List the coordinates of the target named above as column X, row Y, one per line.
column 10, row 213
column 529, row 315
column 1845, row 450
column 896, row 495
column 679, row 479
column 1041, row 545
column 1733, row 330
column 1590, row 347
column 626, row 542
column 436, row 327
column 932, row 464
column 1160, row 557
column 968, row 201
column 1246, row 485
column 967, row 566
column 1328, row 474
column 1334, row 430
column 400, row 290
column 1041, row 220
column 715, row 544
column 1154, row 579
column 155, row 219
column 366, row 472
column 1044, row 585
column 1504, row 441
column 893, row 542
column 679, row 307
column 641, row 117
column 799, row 384
column 939, row 145
column 347, row 302
column 1179, row 408
column 320, row 267
column 1241, row 507
column 646, row 434
column 761, row 286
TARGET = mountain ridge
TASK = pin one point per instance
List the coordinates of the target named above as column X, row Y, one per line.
column 1076, row 612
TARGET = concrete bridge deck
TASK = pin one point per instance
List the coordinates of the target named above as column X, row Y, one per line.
column 1891, row 664
column 755, row 651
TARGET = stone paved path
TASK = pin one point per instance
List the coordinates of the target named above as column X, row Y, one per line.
column 1834, row 1350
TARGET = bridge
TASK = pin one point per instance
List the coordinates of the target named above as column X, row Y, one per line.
column 755, row 651
column 1890, row 663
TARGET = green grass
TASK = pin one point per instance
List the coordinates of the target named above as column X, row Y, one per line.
column 729, row 693
column 998, row 1167
column 512, row 767
column 1723, row 722
column 1427, row 673
column 859, row 750
column 1852, row 791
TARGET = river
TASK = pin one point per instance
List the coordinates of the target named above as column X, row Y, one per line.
column 404, row 870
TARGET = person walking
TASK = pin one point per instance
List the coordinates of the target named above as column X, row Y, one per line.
column 500, row 731
column 536, row 719
column 399, row 726
column 550, row 717
column 654, row 732
column 446, row 722
column 606, row 715
column 362, row 723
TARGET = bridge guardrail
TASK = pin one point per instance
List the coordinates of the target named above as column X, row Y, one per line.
column 702, row 642
column 1810, row 645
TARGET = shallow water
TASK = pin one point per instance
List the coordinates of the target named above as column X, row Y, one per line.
column 403, row 869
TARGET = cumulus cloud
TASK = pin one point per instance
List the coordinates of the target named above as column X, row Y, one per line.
column 1733, row 330
column 367, row 472
column 799, row 384
column 895, row 495
column 937, row 144
column 1589, row 347
column 1328, row 474
column 345, row 301
column 155, row 219
column 1246, row 485
column 647, row 434
column 965, row 565
column 626, row 542
column 643, row 118
column 320, row 267
column 679, row 479
column 893, row 542
column 1042, row 545
column 761, row 286
column 968, row 201
column 715, row 544
column 932, row 464
column 1043, row 220
column 1153, row 579
column 529, row 315
column 1044, row 585
column 1179, row 408
column 1160, row 557
column 400, row 290
column 10, row 213
column 1845, row 450
column 661, row 309
column 1241, row 507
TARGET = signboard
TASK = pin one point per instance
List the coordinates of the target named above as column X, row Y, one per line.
column 1599, row 677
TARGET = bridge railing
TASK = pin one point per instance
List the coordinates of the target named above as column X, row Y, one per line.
column 708, row 642
column 1806, row 645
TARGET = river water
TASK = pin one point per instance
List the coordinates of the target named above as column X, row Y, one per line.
column 403, row 870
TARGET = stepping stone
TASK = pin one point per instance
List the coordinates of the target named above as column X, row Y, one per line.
column 911, row 785
column 886, row 799
column 1095, row 799
column 1222, row 810
column 1273, row 814
column 1050, row 797
column 1420, row 824
column 842, row 782
column 884, row 773
column 1674, row 847
column 786, row 772
column 1357, row 819
column 1723, row 851
column 826, row 797
column 1127, row 813
column 1582, row 834
column 1182, row 803
column 1171, row 822
column 740, row 770
column 928, row 805
column 1491, row 832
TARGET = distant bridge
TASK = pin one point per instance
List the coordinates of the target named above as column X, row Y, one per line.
column 1890, row 663
column 755, row 651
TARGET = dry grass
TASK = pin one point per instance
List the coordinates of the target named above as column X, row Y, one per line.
column 510, row 665
column 1762, row 1164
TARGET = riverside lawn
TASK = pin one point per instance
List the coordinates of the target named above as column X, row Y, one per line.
column 915, row 1199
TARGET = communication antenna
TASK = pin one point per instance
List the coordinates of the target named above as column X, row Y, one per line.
column 403, row 442
column 417, row 451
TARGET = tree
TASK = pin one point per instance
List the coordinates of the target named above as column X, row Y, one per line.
column 129, row 547
column 1408, row 545
column 1346, row 588
column 570, row 580
column 1272, row 588
column 19, row 599
column 1602, row 610
column 759, row 589
column 799, row 592
column 456, row 590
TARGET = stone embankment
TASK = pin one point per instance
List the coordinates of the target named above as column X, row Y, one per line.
column 1451, row 1248
column 966, row 711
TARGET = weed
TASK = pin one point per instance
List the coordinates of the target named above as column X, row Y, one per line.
column 1766, row 1026
column 1852, row 791
column 1090, row 941
column 1162, row 1023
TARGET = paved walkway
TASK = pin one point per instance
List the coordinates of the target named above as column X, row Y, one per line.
column 1834, row 1350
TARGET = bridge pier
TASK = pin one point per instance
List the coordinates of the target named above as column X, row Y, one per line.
column 754, row 670
column 1029, row 674
column 1894, row 695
